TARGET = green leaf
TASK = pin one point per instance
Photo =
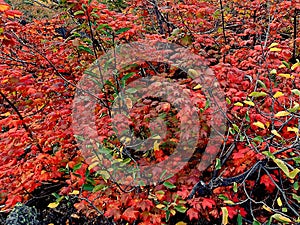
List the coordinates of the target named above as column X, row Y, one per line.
column 284, row 210
column 255, row 222
column 125, row 162
column 262, row 84
column 122, row 30
column 247, row 118
column 269, row 154
column 222, row 197
column 167, row 215
column 258, row 139
column 231, row 131
column 296, row 197
column 79, row 12
column 236, row 128
column 56, row 195
column 131, row 90
column 180, row 208
column 297, row 159
column 86, row 49
column 296, row 92
column 100, row 27
column 169, row 185
column 160, row 192
column 77, row 167
column 296, row 185
column 91, row 73
column 239, row 219
column 127, row 76
column 207, row 104
column 79, row 138
column 235, row 188
column 88, row 187
column 99, row 187
column 218, row 164
column 257, row 94
column 228, row 101
column 287, row 65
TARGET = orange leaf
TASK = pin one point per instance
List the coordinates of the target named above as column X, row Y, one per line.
column 130, row 214
column 4, row 6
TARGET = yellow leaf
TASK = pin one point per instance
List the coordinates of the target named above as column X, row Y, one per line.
column 285, row 75
column 249, row 102
column 293, row 129
column 259, row 124
column 281, row 218
column 181, row 223
column 238, row 104
column 53, row 205
column 224, row 215
column 173, row 212
column 160, row 206
column 294, row 173
column 75, row 192
column 5, row 114
column 229, row 202
column 282, row 113
column 295, row 66
column 273, row 71
column 275, row 133
column 156, row 146
column 93, row 165
column 125, row 140
column 278, row 94
column 281, row 66
column 267, row 208
column 193, row 73
column 279, row 202
column 198, row 86
column 275, row 49
column 273, row 45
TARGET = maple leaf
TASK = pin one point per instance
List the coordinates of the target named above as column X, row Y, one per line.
column 130, row 214
column 267, row 182
column 145, row 205
column 208, row 203
column 113, row 210
column 193, row 213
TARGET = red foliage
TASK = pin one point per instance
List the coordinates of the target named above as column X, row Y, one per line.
column 253, row 60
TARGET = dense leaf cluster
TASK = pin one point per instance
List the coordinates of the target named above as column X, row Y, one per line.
column 251, row 47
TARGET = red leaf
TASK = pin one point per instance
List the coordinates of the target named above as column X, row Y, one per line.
column 130, row 214
column 265, row 180
column 113, row 210
column 232, row 211
column 193, row 214
column 208, row 203
column 145, row 205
